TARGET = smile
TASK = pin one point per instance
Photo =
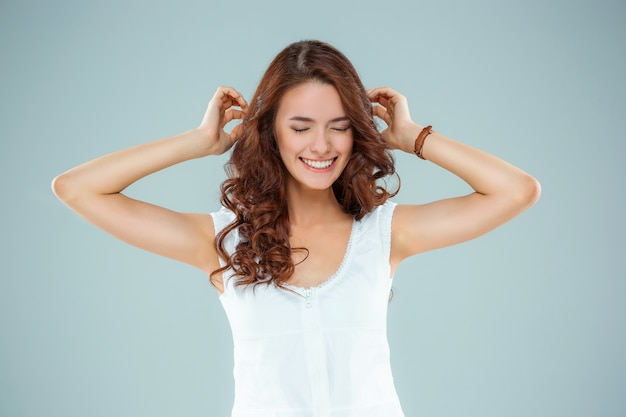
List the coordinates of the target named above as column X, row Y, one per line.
column 318, row 164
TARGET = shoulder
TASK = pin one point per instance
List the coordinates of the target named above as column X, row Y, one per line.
column 222, row 218
column 380, row 213
column 379, row 219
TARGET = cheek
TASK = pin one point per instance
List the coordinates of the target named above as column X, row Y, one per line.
column 287, row 147
column 282, row 142
column 347, row 145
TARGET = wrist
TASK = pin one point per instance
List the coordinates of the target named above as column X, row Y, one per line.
column 410, row 133
column 418, row 146
column 200, row 144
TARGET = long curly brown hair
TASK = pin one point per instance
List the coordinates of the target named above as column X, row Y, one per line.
column 256, row 188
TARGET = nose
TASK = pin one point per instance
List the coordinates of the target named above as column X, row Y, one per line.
column 320, row 144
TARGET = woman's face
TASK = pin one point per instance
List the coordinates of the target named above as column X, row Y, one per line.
column 313, row 134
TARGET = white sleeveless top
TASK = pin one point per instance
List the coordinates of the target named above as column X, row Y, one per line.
column 323, row 351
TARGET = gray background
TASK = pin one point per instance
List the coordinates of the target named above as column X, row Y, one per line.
column 526, row 321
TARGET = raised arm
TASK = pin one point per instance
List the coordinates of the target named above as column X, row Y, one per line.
column 94, row 189
column 501, row 191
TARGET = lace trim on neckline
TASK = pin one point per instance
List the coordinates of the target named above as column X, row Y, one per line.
column 301, row 290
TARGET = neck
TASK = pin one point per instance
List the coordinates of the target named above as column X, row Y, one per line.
column 311, row 207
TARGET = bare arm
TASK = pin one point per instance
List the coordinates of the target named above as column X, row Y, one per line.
column 94, row 189
column 501, row 191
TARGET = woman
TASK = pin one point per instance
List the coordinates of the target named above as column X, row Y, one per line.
column 303, row 251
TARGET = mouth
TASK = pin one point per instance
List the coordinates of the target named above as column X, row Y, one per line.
column 318, row 165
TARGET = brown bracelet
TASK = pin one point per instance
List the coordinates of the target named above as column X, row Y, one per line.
column 419, row 141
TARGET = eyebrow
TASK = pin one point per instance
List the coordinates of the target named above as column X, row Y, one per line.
column 308, row 119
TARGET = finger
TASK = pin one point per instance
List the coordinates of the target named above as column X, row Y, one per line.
column 235, row 134
column 375, row 97
column 385, row 92
column 237, row 102
column 232, row 114
column 382, row 100
column 388, row 91
column 231, row 97
column 382, row 113
column 386, row 96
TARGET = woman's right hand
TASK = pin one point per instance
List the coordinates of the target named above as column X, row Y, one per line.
column 226, row 105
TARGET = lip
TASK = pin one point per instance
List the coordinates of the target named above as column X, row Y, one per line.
column 312, row 169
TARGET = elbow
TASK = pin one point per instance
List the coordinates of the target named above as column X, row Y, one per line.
column 533, row 190
column 528, row 191
column 62, row 187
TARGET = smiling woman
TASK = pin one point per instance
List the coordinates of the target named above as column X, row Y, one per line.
column 303, row 251
column 319, row 142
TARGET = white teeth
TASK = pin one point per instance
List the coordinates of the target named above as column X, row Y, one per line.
column 318, row 164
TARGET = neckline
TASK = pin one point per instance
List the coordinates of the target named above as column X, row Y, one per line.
column 303, row 290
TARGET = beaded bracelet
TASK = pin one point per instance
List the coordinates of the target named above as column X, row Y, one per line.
column 419, row 141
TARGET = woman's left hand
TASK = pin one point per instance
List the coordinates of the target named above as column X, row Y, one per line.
column 393, row 109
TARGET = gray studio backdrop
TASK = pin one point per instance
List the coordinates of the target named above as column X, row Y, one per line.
column 526, row 321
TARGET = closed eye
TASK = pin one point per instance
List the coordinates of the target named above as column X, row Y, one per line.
column 300, row 130
column 341, row 129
